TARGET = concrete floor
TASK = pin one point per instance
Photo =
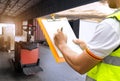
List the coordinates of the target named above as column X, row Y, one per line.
column 52, row 71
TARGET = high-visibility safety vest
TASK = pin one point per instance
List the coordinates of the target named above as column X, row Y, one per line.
column 109, row 68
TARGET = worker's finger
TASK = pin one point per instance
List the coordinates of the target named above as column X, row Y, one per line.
column 77, row 41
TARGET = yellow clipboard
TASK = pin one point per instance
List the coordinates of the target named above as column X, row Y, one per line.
column 49, row 28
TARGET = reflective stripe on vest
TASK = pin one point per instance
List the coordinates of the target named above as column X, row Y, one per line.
column 112, row 60
column 89, row 79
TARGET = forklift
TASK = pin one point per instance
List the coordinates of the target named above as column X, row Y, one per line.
column 26, row 58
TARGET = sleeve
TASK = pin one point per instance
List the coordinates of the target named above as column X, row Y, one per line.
column 104, row 41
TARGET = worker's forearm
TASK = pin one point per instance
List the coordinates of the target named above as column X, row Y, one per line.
column 82, row 63
column 69, row 55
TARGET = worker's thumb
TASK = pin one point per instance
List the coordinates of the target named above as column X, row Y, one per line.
column 81, row 43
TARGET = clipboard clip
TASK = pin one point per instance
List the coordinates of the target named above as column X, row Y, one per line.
column 53, row 18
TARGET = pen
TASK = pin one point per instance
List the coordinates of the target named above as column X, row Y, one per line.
column 61, row 28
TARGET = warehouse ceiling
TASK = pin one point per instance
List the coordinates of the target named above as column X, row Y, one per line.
column 15, row 7
column 29, row 9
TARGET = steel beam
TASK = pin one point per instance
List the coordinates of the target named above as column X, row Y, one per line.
column 45, row 7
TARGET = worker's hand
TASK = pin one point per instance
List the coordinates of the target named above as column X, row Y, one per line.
column 81, row 43
column 60, row 38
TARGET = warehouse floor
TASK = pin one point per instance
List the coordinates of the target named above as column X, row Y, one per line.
column 52, row 71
